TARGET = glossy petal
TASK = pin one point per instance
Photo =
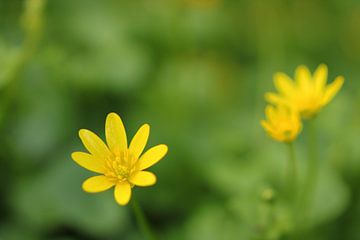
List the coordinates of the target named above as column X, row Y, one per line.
column 143, row 179
column 122, row 193
column 97, row 184
column 88, row 161
column 94, row 144
column 139, row 141
column 333, row 89
column 115, row 133
column 152, row 156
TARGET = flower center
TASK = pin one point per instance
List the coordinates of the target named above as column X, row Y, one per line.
column 121, row 165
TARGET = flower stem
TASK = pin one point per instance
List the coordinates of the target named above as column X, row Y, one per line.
column 292, row 171
column 311, row 174
column 312, row 169
column 292, row 186
column 141, row 220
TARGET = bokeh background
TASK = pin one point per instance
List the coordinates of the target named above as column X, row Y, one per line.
column 196, row 71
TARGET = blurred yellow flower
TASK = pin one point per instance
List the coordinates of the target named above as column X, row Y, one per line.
column 283, row 123
column 308, row 93
column 118, row 165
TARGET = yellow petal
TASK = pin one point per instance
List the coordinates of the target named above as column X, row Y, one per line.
column 275, row 98
column 320, row 78
column 283, row 112
column 284, row 84
column 266, row 126
column 115, row 133
column 332, row 89
column 303, row 77
column 122, row 193
column 88, row 161
column 270, row 113
column 94, row 144
column 152, row 156
column 97, row 184
column 143, row 179
column 139, row 141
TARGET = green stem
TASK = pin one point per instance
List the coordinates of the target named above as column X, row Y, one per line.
column 312, row 171
column 292, row 171
column 141, row 220
column 293, row 185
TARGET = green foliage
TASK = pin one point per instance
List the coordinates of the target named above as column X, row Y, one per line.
column 196, row 70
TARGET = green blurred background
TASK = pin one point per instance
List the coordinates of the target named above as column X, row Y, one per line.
column 196, row 71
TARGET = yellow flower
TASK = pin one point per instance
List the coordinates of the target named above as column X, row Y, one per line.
column 308, row 93
column 118, row 165
column 283, row 123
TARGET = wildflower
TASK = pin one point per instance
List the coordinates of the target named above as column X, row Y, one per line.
column 308, row 93
column 118, row 165
column 283, row 123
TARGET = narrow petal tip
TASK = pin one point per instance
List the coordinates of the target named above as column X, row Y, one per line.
column 323, row 65
column 302, row 67
column 83, row 132
column 112, row 115
column 73, row 155
column 271, row 97
column 340, row 79
column 165, row 147
column 146, row 126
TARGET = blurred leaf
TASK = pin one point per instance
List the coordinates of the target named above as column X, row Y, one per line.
column 212, row 221
column 330, row 199
column 55, row 197
column 9, row 57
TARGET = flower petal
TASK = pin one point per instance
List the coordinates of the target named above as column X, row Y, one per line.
column 303, row 77
column 139, row 141
column 88, row 161
column 143, row 179
column 284, row 84
column 332, row 89
column 97, row 184
column 94, row 144
column 320, row 78
column 115, row 133
column 152, row 156
column 275, row 98
column 122, row 193
column 270, row 114
column 267, row 127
